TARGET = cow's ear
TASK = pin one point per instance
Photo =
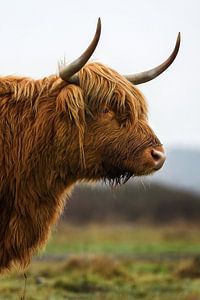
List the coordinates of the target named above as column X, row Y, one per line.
column 70, row 101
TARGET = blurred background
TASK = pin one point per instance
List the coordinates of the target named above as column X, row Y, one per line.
column 141, row 240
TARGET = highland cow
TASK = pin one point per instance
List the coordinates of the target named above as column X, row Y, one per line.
column 86, row 124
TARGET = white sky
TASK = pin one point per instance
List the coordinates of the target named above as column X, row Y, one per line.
column 136, row 35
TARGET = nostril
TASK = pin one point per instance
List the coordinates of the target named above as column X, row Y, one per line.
column 155, row 154
column 158, row 157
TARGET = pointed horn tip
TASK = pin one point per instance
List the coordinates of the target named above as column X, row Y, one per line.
column 99, row 24
column 178, row 40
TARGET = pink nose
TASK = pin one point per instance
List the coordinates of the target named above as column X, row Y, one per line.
column 158, row 158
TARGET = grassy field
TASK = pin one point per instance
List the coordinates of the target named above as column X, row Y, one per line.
column 112, row 262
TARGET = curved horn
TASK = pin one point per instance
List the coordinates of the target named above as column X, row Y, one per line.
column 67, row 72
column 153, row 73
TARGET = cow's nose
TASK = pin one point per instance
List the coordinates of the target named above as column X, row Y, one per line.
column 158, row 158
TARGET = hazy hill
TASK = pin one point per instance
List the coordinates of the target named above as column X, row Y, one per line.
column 132, row 203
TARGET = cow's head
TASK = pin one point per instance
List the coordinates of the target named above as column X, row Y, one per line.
column 118, row 142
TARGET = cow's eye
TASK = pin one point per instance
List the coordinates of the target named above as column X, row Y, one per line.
column 105, row 111
column 107, row 114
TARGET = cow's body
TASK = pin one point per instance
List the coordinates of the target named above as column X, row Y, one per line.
column 54, row 133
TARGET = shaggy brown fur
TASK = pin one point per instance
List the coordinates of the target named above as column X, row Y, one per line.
column 53, row 134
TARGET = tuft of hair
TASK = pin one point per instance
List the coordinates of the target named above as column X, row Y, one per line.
column 104, row 87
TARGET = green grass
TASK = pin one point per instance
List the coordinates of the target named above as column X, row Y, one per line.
column 112, row 262
column 125, row 240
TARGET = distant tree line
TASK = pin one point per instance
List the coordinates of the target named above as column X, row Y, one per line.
column 132, row 203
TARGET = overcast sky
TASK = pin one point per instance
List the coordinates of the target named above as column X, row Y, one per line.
column 136, row 35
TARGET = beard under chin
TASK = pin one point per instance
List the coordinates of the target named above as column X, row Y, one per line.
column 115, row 176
